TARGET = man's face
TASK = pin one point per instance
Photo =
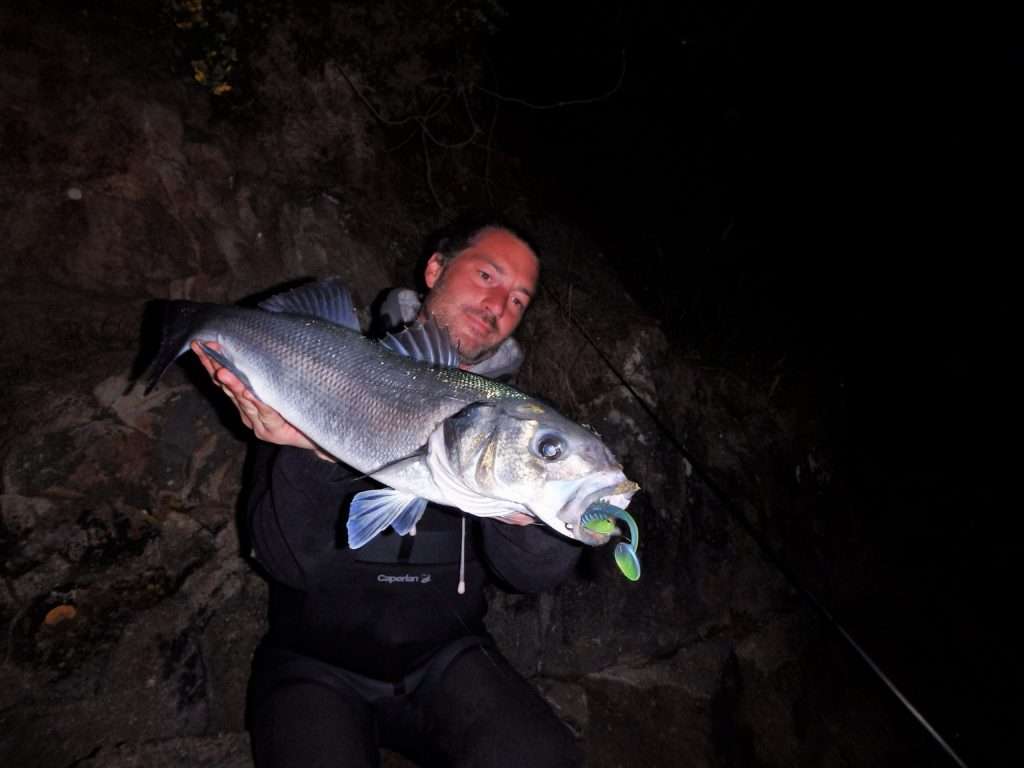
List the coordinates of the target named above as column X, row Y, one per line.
column 481, row 293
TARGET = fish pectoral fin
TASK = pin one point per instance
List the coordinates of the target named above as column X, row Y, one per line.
column 373, row 511
column 227, row 363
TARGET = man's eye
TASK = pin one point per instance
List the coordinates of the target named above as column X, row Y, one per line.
column 485, row 275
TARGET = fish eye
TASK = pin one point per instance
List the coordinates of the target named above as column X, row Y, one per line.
column 550, row 447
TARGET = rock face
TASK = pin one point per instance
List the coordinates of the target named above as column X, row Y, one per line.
column 128, row 610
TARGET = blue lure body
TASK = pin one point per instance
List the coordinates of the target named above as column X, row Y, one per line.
column 601, row 517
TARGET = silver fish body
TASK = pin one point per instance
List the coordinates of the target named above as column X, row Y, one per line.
column 425, row 429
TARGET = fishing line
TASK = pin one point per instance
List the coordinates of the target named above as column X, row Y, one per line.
column 766, row 550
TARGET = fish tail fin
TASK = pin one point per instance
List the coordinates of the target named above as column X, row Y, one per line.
column 177, row 320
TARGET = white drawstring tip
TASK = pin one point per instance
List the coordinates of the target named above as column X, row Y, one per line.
column 462, row 560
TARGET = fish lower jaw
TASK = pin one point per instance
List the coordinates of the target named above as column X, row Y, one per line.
column 617, row 495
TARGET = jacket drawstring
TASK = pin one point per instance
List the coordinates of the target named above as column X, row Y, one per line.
column 462, row 560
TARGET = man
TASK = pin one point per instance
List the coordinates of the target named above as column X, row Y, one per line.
column 377, row 647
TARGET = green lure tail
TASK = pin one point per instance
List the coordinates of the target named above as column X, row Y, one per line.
column 628, row 562
column 600, row 517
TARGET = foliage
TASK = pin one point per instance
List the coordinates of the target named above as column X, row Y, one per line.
column 207, row 32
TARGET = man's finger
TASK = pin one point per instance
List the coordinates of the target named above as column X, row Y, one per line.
column 246, row 402
column 204, row 358
column 265, row 422
column 229, row 381
column 265, row 411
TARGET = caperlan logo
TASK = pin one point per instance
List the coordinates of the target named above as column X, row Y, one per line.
column 407, row 578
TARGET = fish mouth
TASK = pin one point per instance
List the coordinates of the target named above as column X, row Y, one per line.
column 617, row 494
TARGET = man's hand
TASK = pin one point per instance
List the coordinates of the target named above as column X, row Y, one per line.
column 516, row 518
column 266, row 423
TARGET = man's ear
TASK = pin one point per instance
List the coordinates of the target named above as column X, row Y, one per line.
column 435, row 266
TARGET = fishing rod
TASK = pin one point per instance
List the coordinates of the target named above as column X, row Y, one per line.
column 765, row 548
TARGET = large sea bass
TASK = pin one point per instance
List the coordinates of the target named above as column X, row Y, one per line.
column 401, row 411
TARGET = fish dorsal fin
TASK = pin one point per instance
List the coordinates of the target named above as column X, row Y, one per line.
column 424, row 342
column 325, row 299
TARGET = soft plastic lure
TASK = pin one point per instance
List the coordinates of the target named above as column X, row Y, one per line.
column 600, row 517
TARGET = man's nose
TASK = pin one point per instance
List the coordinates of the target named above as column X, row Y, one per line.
column 494, row 301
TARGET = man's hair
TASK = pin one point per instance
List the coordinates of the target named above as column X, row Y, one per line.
column 462, row 233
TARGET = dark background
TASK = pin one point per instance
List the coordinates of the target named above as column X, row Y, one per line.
column 823, row 201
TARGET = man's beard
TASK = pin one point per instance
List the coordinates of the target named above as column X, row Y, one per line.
column 468, row 354
column 473, row 359
column 445, row 315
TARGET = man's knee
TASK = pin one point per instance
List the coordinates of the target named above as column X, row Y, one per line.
column 546, row 743
column 308, row 724
column 494, row 718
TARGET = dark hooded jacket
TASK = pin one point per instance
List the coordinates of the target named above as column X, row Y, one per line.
column 384, row 610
